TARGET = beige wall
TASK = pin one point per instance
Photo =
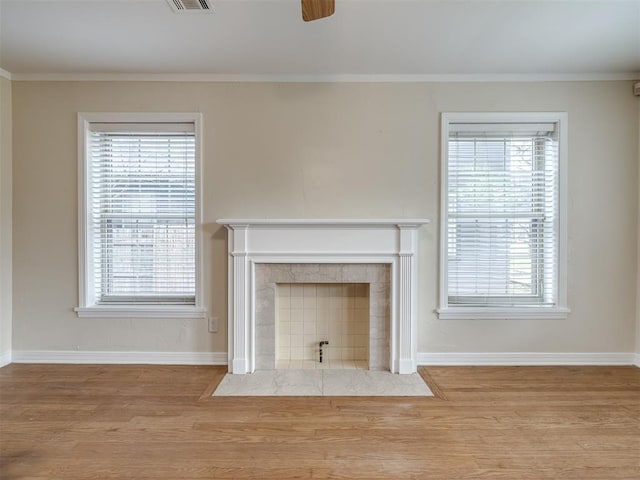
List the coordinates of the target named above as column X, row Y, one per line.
column 327, row 150
column 5, row 219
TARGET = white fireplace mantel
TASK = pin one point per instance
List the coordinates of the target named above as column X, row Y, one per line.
column 385, row 241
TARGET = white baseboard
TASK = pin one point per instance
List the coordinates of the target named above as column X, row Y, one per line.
column 529, row 358
column 84, row 357
column 5, row 358
column 220, row 358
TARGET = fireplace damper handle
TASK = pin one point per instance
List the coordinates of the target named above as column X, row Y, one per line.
column 322, row 344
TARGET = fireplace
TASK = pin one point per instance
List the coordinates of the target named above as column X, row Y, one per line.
column 376, row 279
column 379, row 253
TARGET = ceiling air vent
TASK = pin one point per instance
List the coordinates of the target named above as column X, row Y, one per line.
column 184, row 6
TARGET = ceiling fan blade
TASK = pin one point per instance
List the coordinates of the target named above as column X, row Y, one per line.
column 315, row 9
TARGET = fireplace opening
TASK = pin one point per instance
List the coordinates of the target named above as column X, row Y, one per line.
column 344, row 304
column 328, row 321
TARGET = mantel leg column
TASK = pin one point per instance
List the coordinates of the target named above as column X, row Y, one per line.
column 239, row 327
column 408, row 296
column 406, row 354
column 240, row 314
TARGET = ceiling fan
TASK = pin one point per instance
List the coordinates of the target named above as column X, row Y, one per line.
column 316, row 9
column 311, row 9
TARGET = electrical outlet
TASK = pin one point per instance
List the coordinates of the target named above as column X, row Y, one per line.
column 213, row 324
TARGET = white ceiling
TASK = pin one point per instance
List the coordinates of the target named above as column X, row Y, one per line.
column 364, row 37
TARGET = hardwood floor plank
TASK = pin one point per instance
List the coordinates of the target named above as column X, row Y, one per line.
column 160, row 422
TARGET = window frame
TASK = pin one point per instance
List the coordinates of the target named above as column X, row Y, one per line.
column 526, row 311
column 87, row 306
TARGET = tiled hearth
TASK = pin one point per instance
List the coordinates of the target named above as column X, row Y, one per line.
column 381, row 254
column 327, row 383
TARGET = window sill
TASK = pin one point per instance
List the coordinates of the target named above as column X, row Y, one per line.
column 503, row 313
column 142, row 311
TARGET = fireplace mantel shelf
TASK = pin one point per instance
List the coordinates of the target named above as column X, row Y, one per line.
column 354, row 222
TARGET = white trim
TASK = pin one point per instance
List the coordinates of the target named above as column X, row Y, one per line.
column 323, row 222
column 140, row 117
column 221, row 358
column 86, row 306
column 5, row 358
column 515, row 313
column 525, row 358
column 311, row 257
column 105, row 357
column 199, row 233
column 5, row 74
column 563, row 209
column 142, row 311
column 560, row 310
column 323, row 78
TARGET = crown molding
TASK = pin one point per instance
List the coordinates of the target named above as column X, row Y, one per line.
column 318, row 78
column 5, row 74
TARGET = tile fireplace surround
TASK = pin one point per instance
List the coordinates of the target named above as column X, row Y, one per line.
column 380, row 252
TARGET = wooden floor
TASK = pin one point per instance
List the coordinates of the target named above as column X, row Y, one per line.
column 159, row 422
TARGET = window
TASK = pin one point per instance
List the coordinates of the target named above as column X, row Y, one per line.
column 503, row 230
column 139, row 214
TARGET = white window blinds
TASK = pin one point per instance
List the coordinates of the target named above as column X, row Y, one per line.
column 502, row 214
column 142, row 211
